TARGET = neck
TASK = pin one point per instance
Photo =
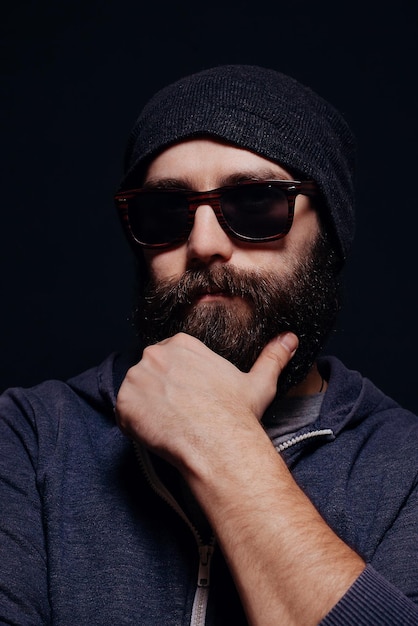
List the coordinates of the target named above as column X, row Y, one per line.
column 313, row 383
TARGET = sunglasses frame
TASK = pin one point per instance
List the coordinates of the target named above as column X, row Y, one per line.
column 291, row 188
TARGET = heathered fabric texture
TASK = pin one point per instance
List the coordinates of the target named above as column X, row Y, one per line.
column 263, row 111
column 85, row 540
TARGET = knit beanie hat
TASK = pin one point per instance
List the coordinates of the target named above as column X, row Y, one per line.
column 265, row 112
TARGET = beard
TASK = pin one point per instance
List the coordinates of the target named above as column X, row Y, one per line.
column 255, row 306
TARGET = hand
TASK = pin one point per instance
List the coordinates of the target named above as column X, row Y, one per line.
column 182, row 400
column 202, row 414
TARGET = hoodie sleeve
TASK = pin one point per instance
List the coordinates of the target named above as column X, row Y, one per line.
column 386, row 593
column 373, row 600
column 23, row 567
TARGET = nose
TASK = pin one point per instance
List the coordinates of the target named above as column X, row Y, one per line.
column 207, row 242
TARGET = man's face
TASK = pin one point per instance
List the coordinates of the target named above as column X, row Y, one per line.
column 205, row 164
column 234, row 295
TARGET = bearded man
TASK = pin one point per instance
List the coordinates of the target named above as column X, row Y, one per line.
column 225, row 473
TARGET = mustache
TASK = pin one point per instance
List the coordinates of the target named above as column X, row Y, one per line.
column 227, row 280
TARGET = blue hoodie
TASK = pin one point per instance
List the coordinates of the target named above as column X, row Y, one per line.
column 93, row 531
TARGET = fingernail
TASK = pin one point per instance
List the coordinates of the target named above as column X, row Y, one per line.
column 290, row 341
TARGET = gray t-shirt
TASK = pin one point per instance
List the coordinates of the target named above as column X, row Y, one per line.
column 287, row 415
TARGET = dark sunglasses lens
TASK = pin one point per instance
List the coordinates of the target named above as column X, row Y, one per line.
column 256, row 212
column 157, row 217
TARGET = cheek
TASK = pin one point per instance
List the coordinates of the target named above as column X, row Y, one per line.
column 166, row 264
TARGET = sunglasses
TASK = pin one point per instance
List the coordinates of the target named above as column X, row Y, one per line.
column 252, row 211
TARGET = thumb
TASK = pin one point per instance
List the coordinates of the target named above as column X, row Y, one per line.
column 271, row 362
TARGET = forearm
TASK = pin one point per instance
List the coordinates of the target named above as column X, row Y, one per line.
column 288, row 565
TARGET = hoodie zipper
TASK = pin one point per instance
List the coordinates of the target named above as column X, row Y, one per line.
column 284, row 445
column 202, row 591
column 200, row 601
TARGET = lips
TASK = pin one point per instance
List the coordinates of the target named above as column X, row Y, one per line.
column 210, row 294
column 213, row 292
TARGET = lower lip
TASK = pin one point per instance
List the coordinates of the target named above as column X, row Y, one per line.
column 208, row 297
column 239, row 303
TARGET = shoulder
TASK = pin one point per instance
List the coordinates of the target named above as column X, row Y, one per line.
column 33, row 420
column 363, row 416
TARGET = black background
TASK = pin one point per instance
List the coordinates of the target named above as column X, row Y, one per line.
column 75, row 75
